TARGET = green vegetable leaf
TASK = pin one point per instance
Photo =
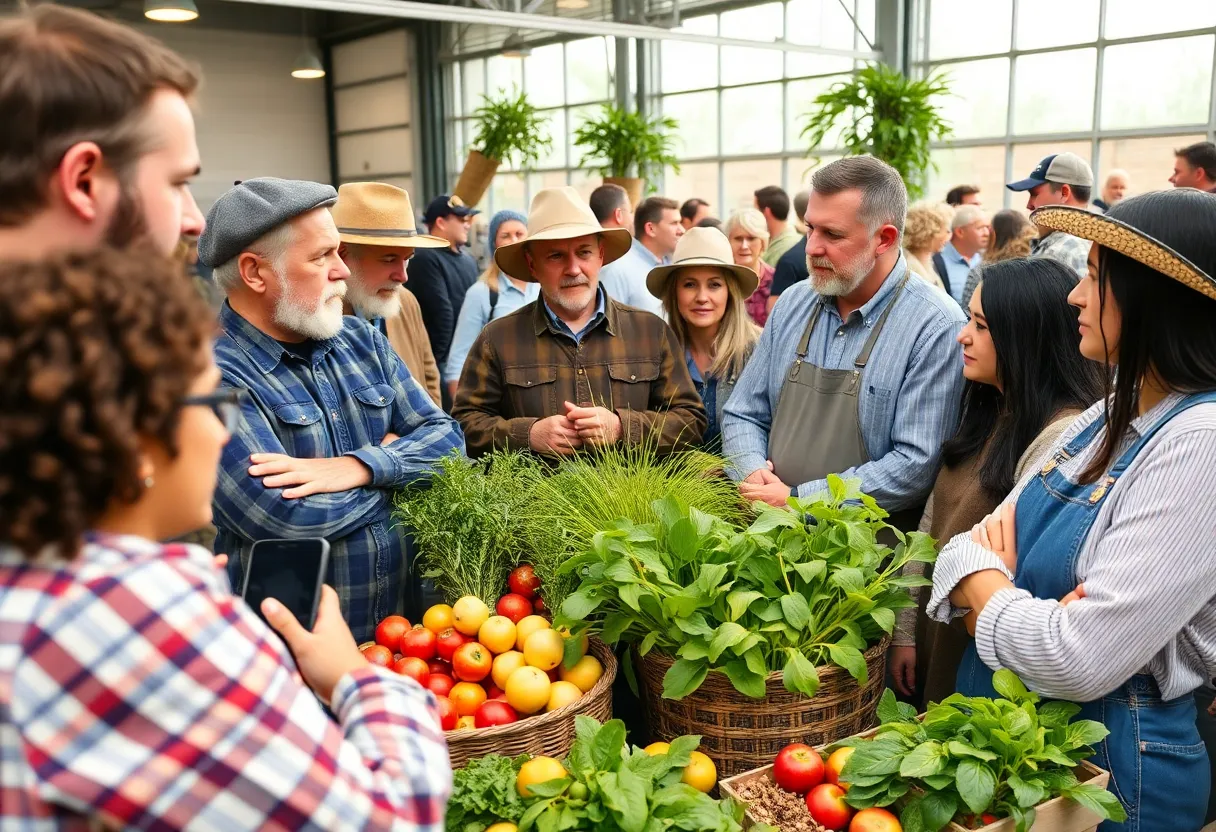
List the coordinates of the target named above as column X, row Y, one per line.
column 1016, row 722
column 924, row 760
column 851, row 659
column 1099, row 801
column 679, row 754
column 797, row 611
column 976, row 784
column 799, row 675
column 937, row 808
column 607, row 744
column 754, row 659
column 529, row 818
column 683, row 677
column 910, row 817
column 682, row 539
column 1027, row 794
column 737, row 601
column 572, row 652
column 624, row 793
column 848, row 578
column 962, row 749
column 579, row 605
column 920, row 548
column 727, row 635
column 745, row 681
column 693, row 649
column 646, row 645
column 615, row 624
column 1082, row 733
column 884, row 618
column 631, row 595
column 871, row 759
column 1008, row 685
column 1057, row 714
column 550, row 788
column 811, row 570
column 937, row 782
column 772, row 518
column 891, row 709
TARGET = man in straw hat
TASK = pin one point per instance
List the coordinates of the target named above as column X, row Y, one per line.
column 332, row 424
column 376, row 225
column 574, row 369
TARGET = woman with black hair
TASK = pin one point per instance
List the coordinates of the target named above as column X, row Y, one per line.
column 1094, row 580
column 1026, row 381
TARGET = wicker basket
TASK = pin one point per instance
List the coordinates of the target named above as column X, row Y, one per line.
column 740, row 733
column 475, row 177
column 550, row 733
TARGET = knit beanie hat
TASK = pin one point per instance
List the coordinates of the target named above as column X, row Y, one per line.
column 496, row 222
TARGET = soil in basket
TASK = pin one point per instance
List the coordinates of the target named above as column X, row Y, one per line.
column 769, row 803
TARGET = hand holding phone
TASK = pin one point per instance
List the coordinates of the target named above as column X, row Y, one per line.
column 291, row 572
column 327, row 653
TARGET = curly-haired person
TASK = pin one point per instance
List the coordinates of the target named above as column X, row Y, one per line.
column 139, row 692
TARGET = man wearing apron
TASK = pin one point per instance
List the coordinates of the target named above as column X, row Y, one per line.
column 857, row 372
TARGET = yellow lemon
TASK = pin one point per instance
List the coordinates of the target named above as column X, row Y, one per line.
column 468, row 614
column 538, row 770
column 701, row 773
column 562, row 694
column 657, row 748
column 585, row 673
column 543, row 649
column 528, row 690
column 504, row 665
column 526, row 626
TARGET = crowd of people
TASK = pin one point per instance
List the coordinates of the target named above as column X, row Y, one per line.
column 961, row 365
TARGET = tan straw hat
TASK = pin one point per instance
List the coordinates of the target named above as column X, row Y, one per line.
column 1144, row 228
column 702, row 247
column 559, row 214
column 376, row 214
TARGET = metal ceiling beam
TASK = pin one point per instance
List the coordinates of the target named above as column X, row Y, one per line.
column 410, row 9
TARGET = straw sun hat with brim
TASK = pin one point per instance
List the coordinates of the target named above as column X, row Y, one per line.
column 702, row 247
column 1146, row 228
column 560, row 214
column 377, row 214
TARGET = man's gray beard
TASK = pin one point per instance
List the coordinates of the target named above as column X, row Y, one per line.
column 370, row 304
column 844, row 282
column 321, row 323
column 559, row 303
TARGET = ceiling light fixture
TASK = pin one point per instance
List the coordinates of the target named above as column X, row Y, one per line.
column 308, row 65
column 514, row 46
column 573, row 5
column 170, row 11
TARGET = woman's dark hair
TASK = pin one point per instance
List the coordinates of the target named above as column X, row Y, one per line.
column 96, row 351
column 1039, row 364
column 1167, row 330
column 1007, row 225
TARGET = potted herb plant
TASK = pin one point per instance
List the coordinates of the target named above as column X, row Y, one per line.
column 509, row 129
column 886, row 115
column 627, row 147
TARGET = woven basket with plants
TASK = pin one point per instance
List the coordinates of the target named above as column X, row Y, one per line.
column 627, row 147
column 760, row 635
column 509, row 129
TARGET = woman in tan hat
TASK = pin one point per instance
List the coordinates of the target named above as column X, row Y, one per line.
column 705, row 295
column 1094, row 582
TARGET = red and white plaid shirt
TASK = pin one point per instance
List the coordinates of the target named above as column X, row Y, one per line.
column 136, row 691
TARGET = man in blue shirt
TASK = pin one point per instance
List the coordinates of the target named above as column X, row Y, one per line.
column 332, row 424
column 857, row 372
column 969, row 232
column 656, row 229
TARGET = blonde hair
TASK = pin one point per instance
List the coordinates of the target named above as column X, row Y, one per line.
column 737, row 332
column 490, row 275
column 925, row 221
column 751, row 221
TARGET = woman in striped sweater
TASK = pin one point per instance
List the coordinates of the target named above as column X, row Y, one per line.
column 1094, row 581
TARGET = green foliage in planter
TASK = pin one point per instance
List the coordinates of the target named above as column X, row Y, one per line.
column 509, row 129
column 886, row 115
column 618, row 143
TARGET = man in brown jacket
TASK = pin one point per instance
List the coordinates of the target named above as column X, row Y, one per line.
column 376, row 225
column 574, row 369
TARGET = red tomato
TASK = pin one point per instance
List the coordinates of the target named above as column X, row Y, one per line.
column 827, row 807
column 472, row 662
column 494, row 712
column 439, row 666
column 390, row 630
column 515, row 607
column 798, row 768
column 447, row 714
column 440, row 684
column 378, row 654
column 448, row 642
column 523, row 581
column 415, row 668
column 538, row 606
column 494, row 692
column 420, row 643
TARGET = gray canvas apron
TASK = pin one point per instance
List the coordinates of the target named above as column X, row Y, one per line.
column 817, row 427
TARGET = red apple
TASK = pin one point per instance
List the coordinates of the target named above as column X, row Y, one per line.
column 420, row 643
column 514, row 607
column 523, row 581
column 448, row 643
column 493, row 712
column 875, row 820
column 798, row 768
column 390, row 630
column 538, row 606
column 447, row 714
column 827, row 807
column 835, row 765
column 415, row 668
column 494, row 692
column 378, row 654
column 440, row 684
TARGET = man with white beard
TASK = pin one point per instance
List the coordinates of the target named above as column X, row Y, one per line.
column 857, row 372
column 332, row 424
column 376, row 225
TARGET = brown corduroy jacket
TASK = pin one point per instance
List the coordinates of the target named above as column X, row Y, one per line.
column 407, row 334
column 522, row 368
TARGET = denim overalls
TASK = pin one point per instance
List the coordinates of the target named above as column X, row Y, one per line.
column 1158, row 764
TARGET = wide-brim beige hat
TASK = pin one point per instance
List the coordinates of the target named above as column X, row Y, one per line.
column 378, row 214
column 702, row 247
column 559, row 214
column 1144, row 229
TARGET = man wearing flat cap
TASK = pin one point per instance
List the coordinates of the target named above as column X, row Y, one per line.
column 333, row 423
column 574, row 369
column 376, row 225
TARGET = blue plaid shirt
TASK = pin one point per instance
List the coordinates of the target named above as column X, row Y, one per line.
column 340, row 402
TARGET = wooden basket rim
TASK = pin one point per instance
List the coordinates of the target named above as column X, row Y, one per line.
column 872, row 653
column 538, row 722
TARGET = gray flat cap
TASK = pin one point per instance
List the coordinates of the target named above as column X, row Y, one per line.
column 251, row 209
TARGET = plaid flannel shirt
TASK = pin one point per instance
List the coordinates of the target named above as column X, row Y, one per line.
column 137, row 691
column 342, row 402
column 523, row 367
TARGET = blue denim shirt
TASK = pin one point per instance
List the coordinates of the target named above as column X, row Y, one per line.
column 708, row 391
column 910, row 395
column 475, row 314
column 341, row 401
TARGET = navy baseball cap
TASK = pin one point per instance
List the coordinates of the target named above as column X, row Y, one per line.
column 1059, row 168
column 446, row 205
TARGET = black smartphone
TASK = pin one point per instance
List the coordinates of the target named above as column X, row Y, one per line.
column 291, row 572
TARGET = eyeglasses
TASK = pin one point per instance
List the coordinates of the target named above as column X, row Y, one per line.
column 225, row 404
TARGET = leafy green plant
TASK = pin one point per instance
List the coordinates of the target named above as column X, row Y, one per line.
column 484, row 793
column 782, row 595
column 620, row 142
column 465, row 521
column 977, row 755
column 589, row 493
column 510, row 129
column 885, row 114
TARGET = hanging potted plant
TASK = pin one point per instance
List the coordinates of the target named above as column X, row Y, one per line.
column 509, row 129
column 627, row 147
column 887, row 115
